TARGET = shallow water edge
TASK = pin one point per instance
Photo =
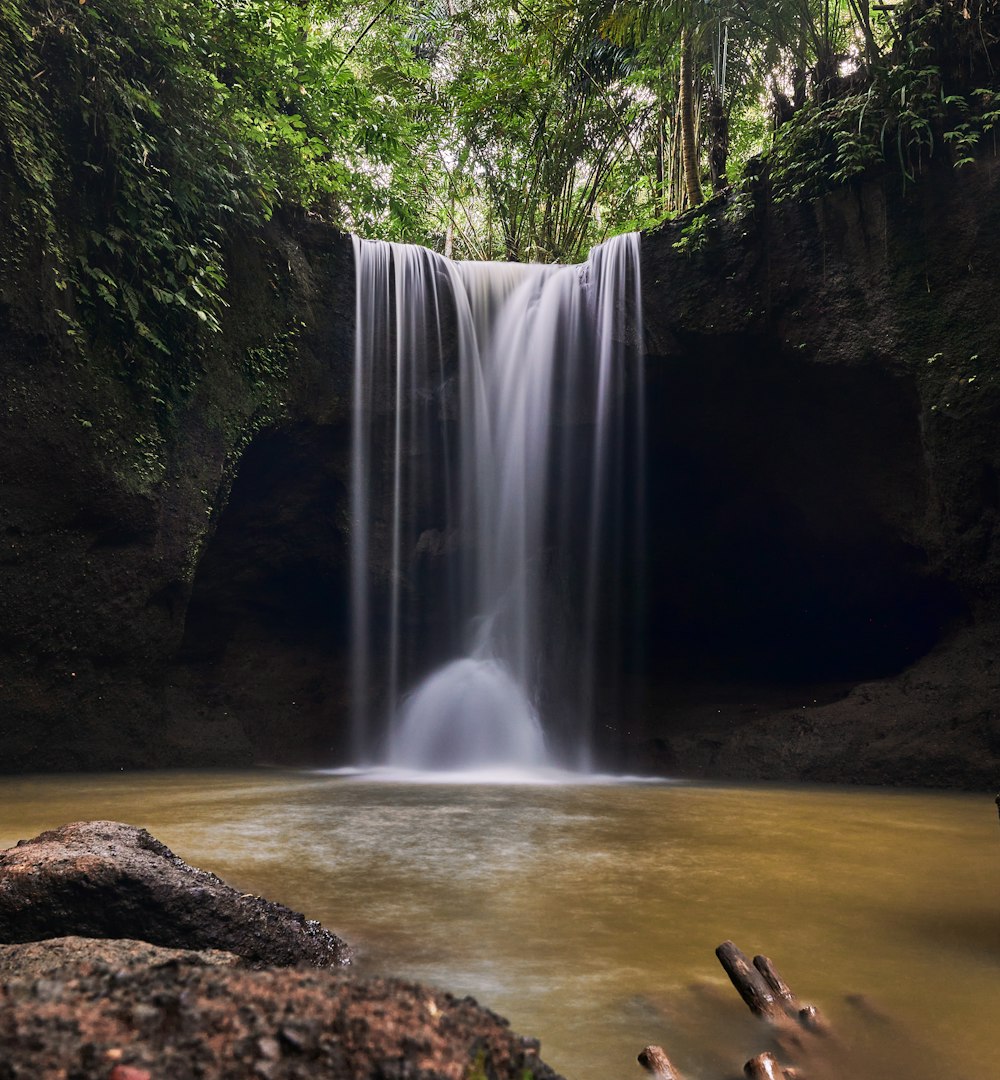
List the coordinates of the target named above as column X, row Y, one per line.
column 588, row 914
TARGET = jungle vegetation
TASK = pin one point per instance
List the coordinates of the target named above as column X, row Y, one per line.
column 136, row 134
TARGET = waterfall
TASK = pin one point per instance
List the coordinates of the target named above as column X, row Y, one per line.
column 496, row 484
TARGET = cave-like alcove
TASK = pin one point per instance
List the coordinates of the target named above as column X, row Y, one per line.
column 266, row 634
column 784, row 496
column 783, row 501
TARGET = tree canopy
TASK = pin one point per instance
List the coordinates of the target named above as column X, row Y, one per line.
column 517, row 129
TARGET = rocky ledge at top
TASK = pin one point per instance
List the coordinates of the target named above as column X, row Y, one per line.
column 130, row 1010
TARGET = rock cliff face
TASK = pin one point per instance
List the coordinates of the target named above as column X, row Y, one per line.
column 823, row 566
column 120, row 645
column 825, row 383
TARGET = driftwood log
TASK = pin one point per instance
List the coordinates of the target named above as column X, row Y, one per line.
column 796, row 1029
column 655, row 1061
column 775, row 982
column 750, row 983
column 763, row 1067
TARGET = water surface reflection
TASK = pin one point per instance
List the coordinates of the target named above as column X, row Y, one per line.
column 588, row 914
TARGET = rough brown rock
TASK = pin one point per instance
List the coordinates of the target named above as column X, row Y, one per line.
column 178, row 1020
column 54, row 957
column 103, row 879
column 129, row 1010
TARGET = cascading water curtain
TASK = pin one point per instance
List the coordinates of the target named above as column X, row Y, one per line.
column 498, row 429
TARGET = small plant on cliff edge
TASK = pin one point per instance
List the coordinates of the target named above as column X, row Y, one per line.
column 914, row 101
column 695, row 234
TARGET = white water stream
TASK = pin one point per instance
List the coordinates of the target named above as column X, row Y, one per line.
column 491, row 406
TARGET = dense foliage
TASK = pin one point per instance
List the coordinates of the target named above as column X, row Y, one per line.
column 935, row 91
column 134, row 136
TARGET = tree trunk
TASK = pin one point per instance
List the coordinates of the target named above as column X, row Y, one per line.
column 689, row 142
column 718, row 128
column 449, row 236
column 661, row 172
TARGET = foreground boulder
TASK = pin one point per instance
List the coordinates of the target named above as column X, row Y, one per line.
column 87, row 1006
column 103, row 879
column 54, row 958
column 181, row 1018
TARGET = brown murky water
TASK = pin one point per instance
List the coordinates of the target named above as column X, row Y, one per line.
column 589, row 914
